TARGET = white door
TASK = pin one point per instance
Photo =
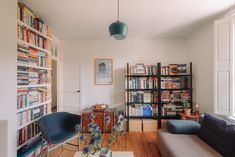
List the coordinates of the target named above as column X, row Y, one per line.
column 70, row 95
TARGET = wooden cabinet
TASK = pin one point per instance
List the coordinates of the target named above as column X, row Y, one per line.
column 99, row 119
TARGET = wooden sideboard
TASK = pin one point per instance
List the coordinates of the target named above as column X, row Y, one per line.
column 99, row 119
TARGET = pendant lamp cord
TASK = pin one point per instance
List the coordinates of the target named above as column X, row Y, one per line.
column 118, row 11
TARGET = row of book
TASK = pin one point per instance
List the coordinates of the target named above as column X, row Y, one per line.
column 142, row 97
column 141, row 69
column 33, row 77
column 174, row 69
column 146, row 110
column 26, row 133
column 31, row 37
column 27, row 16
column 25, row 117
column 32, row 57
column 32, row 96
column 142, row 83
column 175, row 96
column 175, row 83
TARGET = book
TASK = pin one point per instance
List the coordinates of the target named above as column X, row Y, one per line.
column 165, row 96
column 173, row 69
column 182, row 68
column 139, row 69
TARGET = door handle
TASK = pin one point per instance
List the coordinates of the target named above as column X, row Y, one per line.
column 77, row 91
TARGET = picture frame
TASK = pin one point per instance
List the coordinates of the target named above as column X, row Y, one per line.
column 103, row 71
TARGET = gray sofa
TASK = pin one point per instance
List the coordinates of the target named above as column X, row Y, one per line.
column 214, row 138
column 182, row 145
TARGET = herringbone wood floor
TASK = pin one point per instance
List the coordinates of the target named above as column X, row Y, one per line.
column 143, row 144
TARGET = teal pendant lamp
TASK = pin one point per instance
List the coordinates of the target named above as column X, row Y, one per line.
column 118, row 30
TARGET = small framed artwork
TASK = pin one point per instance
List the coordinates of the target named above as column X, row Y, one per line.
column 103, row 71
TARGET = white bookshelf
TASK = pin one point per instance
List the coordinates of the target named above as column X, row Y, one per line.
column 34, row 86
column 32, row 66
column 47, row 85
column 33, row 106
column 26, row 124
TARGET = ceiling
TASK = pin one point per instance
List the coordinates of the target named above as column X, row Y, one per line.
column 90, row 19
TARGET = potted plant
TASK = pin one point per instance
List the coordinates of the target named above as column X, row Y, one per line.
column 94, row 141
column 187, row 107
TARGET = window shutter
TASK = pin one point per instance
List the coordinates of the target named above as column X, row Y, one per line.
column 223, row 75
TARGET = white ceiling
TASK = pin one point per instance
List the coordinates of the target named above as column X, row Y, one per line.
column 90, row 19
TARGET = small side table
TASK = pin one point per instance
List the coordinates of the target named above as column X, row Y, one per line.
column 192, row 116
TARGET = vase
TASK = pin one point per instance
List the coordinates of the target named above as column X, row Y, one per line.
column 105, row 152
column 187, row 111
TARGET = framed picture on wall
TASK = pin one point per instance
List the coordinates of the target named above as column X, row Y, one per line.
column 103, row 71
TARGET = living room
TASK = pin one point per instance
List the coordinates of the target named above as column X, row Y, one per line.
column 99, row 58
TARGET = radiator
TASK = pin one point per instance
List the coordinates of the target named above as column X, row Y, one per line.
column 3, row 138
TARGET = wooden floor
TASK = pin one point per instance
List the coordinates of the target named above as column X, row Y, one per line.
column 143, row 144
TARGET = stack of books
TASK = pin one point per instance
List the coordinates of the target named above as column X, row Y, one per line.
column 169, row 110
column 22, row 54
column 42, row 59
column 33, row 57
column 175, row 96
column 185, row 95
column 22, row 78
column 22, row 98
column 174, row 69
column 175, row 83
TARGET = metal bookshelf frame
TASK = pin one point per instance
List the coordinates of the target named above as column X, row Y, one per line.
column 159, row 90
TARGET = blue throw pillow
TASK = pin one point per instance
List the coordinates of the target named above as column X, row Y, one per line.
column 219, row 134
column 183, row 126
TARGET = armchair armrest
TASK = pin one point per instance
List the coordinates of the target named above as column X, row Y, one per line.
column 74, row 120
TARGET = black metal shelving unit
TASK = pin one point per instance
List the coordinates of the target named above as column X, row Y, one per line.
column 159, row 90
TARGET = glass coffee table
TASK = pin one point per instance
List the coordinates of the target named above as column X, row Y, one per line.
column 114, row 154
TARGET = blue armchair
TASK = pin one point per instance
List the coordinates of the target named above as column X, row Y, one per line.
column 59, row 128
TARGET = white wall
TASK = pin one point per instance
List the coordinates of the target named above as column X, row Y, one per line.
column 200, row 47
column 148, row 51
column 8, row 71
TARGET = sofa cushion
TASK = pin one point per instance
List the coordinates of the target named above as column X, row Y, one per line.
column 219, row 134
column 183, row 145
column 183, row 126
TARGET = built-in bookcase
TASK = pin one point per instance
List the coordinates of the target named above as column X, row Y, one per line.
column 35, row 47
column 156, row 91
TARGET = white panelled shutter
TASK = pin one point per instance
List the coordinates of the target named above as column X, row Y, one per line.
column 223, row 66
